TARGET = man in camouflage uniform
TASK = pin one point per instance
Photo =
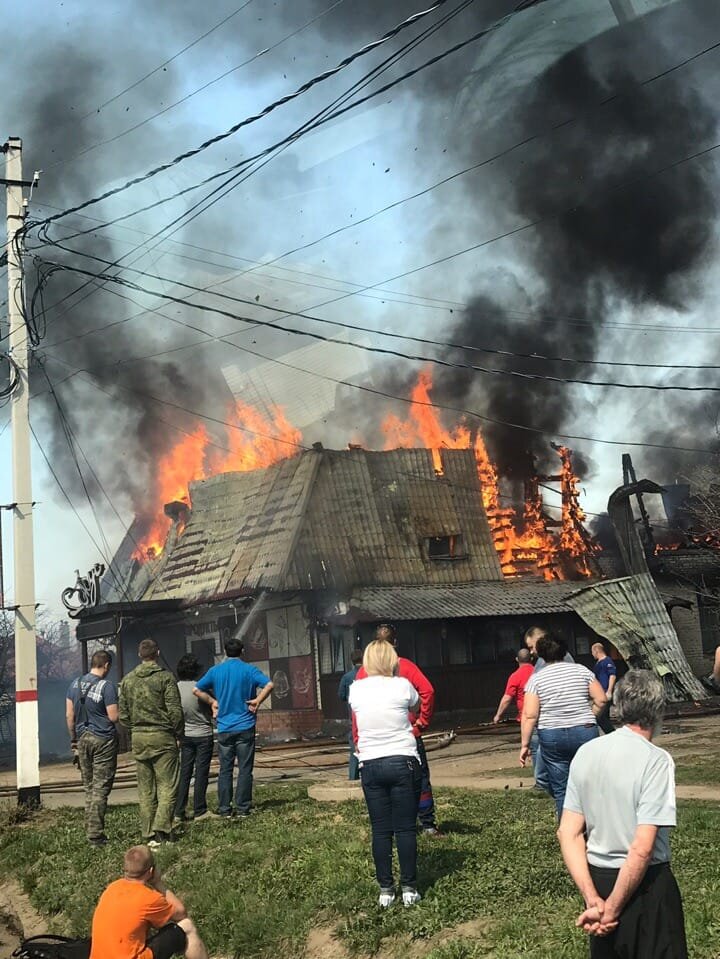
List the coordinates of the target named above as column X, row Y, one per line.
column 91, row 711
column 150, row 708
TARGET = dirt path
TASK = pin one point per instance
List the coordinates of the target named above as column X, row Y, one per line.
column 18, row 918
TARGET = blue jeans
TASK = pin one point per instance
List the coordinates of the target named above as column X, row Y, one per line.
column 539, row 770
column 353, row 765
column 392, row 792
column 195, row 753
column 558, row 748
column 426, row 806
column 231, row 746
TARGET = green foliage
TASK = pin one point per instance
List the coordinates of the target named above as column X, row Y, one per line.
column 258, row 886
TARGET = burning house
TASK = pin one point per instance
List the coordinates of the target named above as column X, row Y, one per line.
column 303, row 555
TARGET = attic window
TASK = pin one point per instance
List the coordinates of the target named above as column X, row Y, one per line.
column 446, row 547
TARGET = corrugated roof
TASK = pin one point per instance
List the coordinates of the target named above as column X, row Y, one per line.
column 504, row 598
column 329, row 520
column 630, row 613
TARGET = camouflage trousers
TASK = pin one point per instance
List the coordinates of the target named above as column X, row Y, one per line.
column 157, row 765
column 98, row 761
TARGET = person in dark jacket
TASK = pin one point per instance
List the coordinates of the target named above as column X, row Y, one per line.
column 356, row 657
column 150, row 708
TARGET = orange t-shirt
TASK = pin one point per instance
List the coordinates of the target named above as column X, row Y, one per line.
column 123, row 916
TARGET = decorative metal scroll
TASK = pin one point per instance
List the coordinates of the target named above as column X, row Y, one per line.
column 85, row 594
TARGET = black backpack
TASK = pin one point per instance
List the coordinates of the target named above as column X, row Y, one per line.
column 52, row 947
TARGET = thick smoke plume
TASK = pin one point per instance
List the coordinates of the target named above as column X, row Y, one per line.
column 609, row 234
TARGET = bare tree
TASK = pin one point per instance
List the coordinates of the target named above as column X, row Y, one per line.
column 704, row 502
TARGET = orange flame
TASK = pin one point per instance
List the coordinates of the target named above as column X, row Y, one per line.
column 253, row 441
column 522, row 545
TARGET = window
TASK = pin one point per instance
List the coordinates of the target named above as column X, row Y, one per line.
column 446, row 547
column 334, row 648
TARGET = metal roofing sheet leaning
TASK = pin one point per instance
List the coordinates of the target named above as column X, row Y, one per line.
column 630, row 613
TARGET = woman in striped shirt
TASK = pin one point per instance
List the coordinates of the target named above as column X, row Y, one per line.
column 562, row 699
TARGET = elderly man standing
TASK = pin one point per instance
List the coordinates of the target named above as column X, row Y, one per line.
column 151, row 709
column 615, row 830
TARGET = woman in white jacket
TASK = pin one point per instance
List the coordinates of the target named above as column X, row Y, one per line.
column 389, row 767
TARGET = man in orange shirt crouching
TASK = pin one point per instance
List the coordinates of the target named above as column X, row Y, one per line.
column 130, row 907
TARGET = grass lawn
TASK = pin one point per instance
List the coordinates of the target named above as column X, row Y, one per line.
column 698, row 770
column 258, row 887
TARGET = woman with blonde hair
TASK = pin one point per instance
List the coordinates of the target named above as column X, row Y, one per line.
column 389, row 767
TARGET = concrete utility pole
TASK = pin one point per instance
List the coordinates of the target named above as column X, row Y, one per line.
column 26, row 686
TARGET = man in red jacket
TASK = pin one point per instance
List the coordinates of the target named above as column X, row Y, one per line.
column 420, row 722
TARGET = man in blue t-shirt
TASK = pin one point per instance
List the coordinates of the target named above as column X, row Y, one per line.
column 235, row 690
column 91, row 711
column 606, row 674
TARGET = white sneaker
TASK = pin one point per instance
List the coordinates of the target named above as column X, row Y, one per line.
column 386, row 898
column 411, row 897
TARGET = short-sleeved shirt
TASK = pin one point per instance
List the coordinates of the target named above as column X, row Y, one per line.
column 564, row 693
column 604, row 669
column 380, row 705
column 92, row 716
column 618, row 783
column 198, row 715
column 516, row 684
column 123, row 917
column 232, row 683
column 541, row 664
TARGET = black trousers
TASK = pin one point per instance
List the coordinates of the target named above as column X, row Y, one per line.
column 652, row 925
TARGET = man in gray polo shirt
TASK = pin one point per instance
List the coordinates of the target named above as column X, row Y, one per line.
column 614, row 832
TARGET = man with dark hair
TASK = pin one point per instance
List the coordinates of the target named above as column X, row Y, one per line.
column 91, row 712
column 196, row 746
column 150, row 708
column 356, row 658
column 515, row 688
column 420, row 721
column 615, row 832
column 130, row 907
column 606, row 674
column 235, row 690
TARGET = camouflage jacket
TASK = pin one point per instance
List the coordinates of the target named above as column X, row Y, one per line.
column 150, row 700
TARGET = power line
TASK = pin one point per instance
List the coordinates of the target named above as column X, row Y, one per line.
column 162, row 66
column 416, row 300
column 387, row 333
column 473, row 414
column 313, row 122
column 273, row 325
column 202, row 87
column 502, row 153
column 218, row 138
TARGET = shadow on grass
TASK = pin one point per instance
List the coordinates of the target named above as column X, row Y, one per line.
column 458, row 828
column 436, row 862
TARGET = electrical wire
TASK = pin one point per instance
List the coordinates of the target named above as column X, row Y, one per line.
column 165, row 63
column 204, row 86
column 384, row 351
column 287, row 140
column 472, row 414
column 302, row 89
column 387, row 333
column 378, row 294
column 567, row 122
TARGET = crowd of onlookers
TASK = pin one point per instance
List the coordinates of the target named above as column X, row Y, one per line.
column 613, row 789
